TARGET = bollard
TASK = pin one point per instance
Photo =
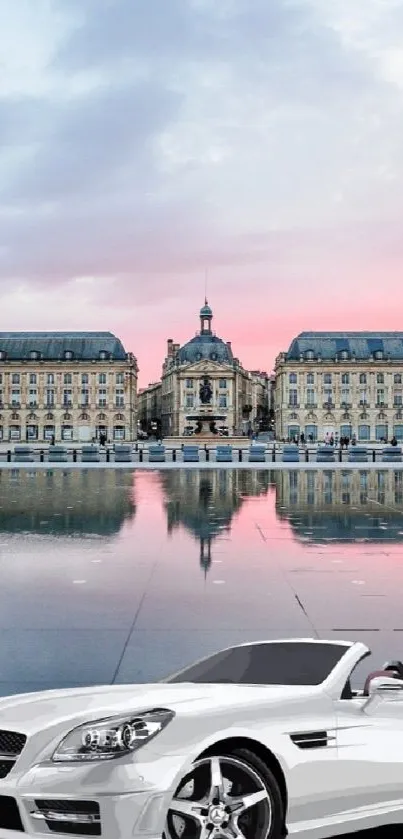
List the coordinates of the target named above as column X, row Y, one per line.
column 307, row 455
column 273, row 455
column 373, row 455
column 136, row 448
column 340, row 454
column 108, row 455
column 207, row 454
column 174, row 455
column 140, row 455
column 9, row 456
column 41, row 456
column 74, row 455
column 240, row 455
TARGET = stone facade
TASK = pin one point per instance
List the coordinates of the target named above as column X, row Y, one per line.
column 203, row 387
column 149, row 408
column 70, row 387
column 346, row 384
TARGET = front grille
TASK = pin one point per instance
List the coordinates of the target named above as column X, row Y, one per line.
column 47, row 810
column 12, row 742
column 10, row 818
column 11, row 746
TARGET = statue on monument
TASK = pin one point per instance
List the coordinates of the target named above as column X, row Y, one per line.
column 205, row 392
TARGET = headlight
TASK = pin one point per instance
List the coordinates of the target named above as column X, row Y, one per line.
column 112, row 737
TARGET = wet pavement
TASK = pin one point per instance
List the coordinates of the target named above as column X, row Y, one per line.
column 121, row 576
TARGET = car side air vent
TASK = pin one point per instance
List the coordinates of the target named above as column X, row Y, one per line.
column 72, row 818
column 311, row 739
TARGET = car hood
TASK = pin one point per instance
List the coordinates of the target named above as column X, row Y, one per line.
column 32, row 712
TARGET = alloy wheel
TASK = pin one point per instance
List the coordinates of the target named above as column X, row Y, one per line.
column 222, row 797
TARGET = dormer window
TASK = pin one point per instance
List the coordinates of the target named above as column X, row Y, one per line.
column 344, row 355
column 2, row 355
column 103, row 355
column 68, row 355
column 378, row 354
column 34, row 355
column 310, row 355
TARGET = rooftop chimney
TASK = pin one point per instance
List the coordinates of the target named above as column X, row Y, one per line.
column 169, row 347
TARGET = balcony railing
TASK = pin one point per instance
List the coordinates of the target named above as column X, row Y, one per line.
column 120, row 405
column 311, row 404
column 293, row 404
column 328, row 404
column 14, row 405
column 381, row 405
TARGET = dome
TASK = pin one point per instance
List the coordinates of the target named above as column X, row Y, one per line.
column 206, row 311
column 205, row 347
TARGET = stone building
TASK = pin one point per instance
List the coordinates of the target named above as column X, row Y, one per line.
column 343, row 384
column 204, row 388
column 149, row 408
column 68, row 386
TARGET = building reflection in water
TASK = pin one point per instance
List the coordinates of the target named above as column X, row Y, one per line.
column 66, row 503
column 342, row 505
column 205, row 502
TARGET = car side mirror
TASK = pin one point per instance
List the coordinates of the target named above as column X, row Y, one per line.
column 385, row 686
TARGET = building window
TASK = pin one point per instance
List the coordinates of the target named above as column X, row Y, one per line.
column 310, row 396
column 398, row 400
column 293, row 378
column 50, row 398
column 119, row 432
column 293, row 397
column 32, row 432
column 15, row 432
column 48, row 432
column 327, row 379
column 189, row 383
column 84, row 378
column 15, row 397
column 33, row 397
column 381, row 432
column 344, row 355
column 15, row 379
column 119, row 397
column 380, row 397
column 378, row 354
column 50, row 379
column 1, row 378
column 222, row 401
column 380, row 379
column 189, row 401
column 34, row 355
column 2, row 355
column 1, row 397
column 222, row 383
column 32, row 378
column 67, row 432
column 67, row 397
column 397, row 378
column 364, row 432
column 363, row 379
column 67, row 379
column 345, row 379
column 103, row 355
column 310, row 379
column 328, row 395
column 69, row 355
column 102, row 398
column 102, row 379
column 311, row 433
column 120, row 378
column 85, row 397
column 398, row 432
column 310, row 355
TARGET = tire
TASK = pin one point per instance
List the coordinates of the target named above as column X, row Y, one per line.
column 199, row 802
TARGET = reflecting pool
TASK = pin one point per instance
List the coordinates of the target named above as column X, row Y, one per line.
column 123, row 576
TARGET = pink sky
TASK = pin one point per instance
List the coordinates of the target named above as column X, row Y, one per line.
column 135, row 157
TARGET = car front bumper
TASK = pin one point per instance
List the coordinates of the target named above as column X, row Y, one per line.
column 130, row 801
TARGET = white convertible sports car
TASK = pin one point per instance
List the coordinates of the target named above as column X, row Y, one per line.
column 254, row 742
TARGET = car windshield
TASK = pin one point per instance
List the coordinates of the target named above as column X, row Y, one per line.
column 266, row 664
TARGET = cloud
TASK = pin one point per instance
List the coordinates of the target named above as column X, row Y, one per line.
column 143, row 142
